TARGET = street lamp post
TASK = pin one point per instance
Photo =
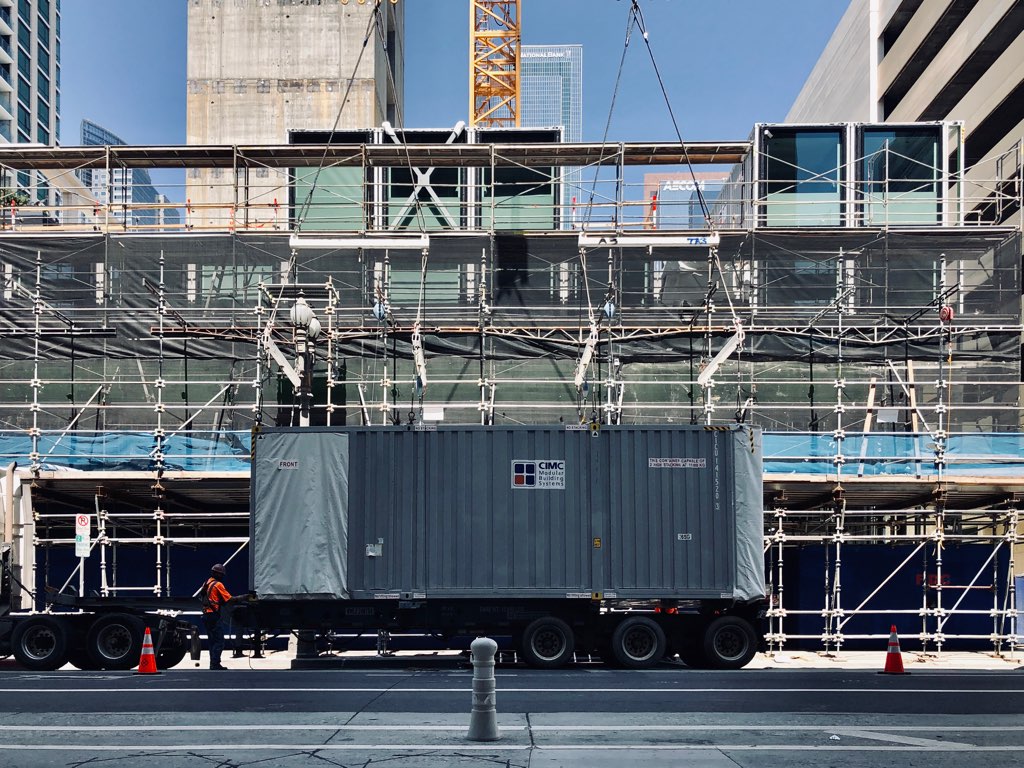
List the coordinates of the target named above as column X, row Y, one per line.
column 306, row 329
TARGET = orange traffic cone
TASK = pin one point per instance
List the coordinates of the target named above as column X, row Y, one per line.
column 893, row 658
column 147, row 662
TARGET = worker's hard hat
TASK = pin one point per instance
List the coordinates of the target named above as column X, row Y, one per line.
column 218, row 568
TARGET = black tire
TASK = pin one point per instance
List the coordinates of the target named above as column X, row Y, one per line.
column 170, row 657
column 729, row 643
column 548, row 643
column 638, row 642
column 115, row 641
column 40, row 643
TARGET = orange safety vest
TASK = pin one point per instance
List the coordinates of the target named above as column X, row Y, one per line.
column 215, row 595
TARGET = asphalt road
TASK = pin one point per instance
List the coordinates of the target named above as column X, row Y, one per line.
column 591, row 717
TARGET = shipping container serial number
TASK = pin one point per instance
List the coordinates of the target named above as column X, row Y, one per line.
column 676, row 463
column 543, row 474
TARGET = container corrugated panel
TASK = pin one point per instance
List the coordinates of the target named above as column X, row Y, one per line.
column 543, row 511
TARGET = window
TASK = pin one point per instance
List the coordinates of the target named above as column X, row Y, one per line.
column 25, row 37
column 25, row 65
column 900, row 172
column 24, row 120
column 43, row 58
column 25, row 9
column 43, row 113
column 24, row 92
column 802, row 176
column 42, row 134
column 43, row 84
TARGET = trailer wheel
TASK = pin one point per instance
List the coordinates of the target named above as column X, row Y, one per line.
column 115, row 641
column 729, row 643
column 548, row 643
column 40, row 643
column 170, row 657
column 638, row 642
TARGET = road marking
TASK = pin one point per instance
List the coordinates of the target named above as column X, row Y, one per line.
column 260, row 726
column 222, row 747
column 908, row 740
column 142, row 688
column 865, row 731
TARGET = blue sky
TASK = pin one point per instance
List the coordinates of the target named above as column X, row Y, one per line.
column 727, row 63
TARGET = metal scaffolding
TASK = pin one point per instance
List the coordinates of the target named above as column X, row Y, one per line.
column 882, row 361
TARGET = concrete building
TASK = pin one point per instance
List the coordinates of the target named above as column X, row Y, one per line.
column 257, row 70
column 901, row 61
column 551, row 94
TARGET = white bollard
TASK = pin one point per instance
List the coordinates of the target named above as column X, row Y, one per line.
column 483, row 721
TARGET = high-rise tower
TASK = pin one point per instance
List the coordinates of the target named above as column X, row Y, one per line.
column 30, row 80
column 258, row 70
column 551, row 94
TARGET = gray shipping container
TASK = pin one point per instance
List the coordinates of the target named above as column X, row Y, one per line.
column 470, row 511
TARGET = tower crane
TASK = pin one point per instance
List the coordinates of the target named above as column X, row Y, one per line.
column 494, row 27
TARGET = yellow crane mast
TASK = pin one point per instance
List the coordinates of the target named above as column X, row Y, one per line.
column 494, row 62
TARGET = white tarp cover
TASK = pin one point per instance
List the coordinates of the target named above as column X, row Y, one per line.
column 749, row 515
column 299, row 520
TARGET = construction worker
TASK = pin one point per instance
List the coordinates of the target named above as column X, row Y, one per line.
column 215, row 597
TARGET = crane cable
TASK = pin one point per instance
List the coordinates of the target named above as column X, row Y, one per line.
column 638, row 16
column 337, row 119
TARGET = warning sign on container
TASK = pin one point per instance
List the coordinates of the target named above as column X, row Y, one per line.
column 543, row 474
column 677, row 463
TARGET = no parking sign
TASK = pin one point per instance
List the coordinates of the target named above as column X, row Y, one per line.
column 82, row 535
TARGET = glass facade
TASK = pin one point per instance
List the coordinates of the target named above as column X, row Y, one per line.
column 123, row 186
column 30, row 100
column 551, row 95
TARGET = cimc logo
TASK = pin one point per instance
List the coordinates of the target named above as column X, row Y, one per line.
column 537, row 473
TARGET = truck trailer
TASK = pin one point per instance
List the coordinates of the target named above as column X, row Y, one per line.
column 630, row 542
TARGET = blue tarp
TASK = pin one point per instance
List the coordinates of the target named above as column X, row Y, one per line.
column 193, row 451
column 882, row 454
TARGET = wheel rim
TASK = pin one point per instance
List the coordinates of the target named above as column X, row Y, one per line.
column 39, row 643
column 114, row 642
column 548, row 643
column 639, row 643
column 730, row 644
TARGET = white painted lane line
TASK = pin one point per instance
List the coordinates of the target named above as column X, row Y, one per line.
column 260, row 727
column 908, row 740
column 772, row 727
column 645, row 691
column 441, row 748
column 867, row 731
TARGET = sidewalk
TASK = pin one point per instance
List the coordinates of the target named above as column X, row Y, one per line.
column 853, row 660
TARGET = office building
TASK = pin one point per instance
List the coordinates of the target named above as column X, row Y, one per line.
column 551, row 95
column 126, row 191
column 904, row 61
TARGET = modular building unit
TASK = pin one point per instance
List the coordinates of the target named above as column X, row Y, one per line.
column 660, row 512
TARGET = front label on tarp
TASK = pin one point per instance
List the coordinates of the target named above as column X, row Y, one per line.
column 532, row 474
column 676, row 462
